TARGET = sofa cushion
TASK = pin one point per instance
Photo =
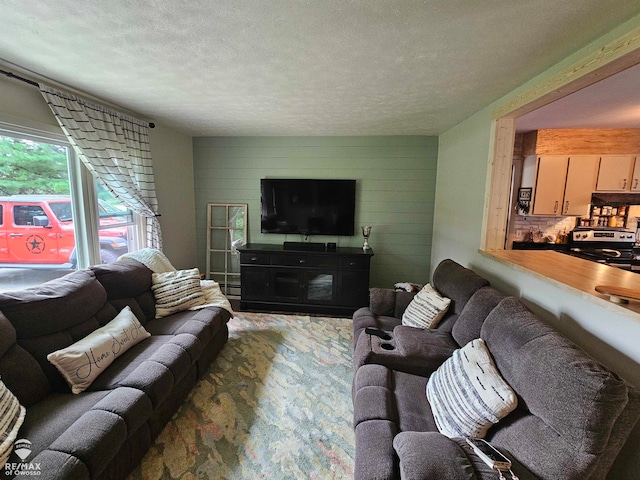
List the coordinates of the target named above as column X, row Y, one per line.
column 382, row 301
column 53, row 306
column 467, row 393
column 123, row 279
column 55, row 314
column 467, row 326
column 374, row 456
column 160, row 360
column 399, row 398
column 176, row 291
column 82, row 362
column 94, row 439
column 385, row 403
column 456, row 282
column 426, row 309
column 388, row 302
column 11, row 418
column 51, row 417
column 128, row 283
column 20, row 372
column 203, row 323
column 430, row 455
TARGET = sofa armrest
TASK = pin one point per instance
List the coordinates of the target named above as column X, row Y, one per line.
column 424, row 343
column 410, row 350
column 389, row 302
column 429, row 455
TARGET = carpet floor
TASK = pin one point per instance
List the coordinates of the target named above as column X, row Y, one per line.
column 275, row 404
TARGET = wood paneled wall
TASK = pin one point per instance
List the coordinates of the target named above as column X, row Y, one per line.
column 395, row 190
column 582, row 141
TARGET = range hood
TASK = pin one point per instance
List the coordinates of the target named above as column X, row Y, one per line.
column 615, row 199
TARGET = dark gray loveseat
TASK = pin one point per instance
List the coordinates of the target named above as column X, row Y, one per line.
column 572, row 420
column 103, row 432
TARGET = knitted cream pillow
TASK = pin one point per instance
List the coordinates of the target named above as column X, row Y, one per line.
column 176, row 291
column 467, row 394
column 426, row 309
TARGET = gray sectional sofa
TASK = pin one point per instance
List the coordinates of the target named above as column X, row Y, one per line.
column 103, row 432
column 573, row 415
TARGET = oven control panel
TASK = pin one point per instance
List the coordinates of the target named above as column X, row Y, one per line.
column 603, row 236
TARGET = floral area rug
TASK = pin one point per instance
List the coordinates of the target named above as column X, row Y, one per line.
column 275, row 404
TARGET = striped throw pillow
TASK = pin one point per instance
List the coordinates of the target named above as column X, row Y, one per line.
column 467, row 394
column 176, row 291
column 11, row 417
column 426, row 309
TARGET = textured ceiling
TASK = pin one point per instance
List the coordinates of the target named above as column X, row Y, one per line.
column 610, row 103
column 305, row 67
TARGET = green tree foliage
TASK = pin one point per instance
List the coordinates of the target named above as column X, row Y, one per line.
column 28, row 167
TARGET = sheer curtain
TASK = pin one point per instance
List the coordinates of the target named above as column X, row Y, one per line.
column 115, row 148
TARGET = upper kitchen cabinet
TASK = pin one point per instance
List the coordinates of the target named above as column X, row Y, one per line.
column 616, row 173
column 563, row 184
column 551, row 177
column 570, row 164
column 581, row 180
column 635, row 178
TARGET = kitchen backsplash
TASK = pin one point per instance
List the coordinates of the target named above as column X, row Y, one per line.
column 548, row 226
column 551, row 226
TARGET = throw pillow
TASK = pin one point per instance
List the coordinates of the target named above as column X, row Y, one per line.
column 426, row 309
column 176, row 291
column 82, row 362
column 11, row 417
column 467, row 394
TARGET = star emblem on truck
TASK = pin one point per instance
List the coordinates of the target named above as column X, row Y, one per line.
column 35, row 244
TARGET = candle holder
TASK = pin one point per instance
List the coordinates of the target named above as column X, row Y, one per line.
column 366, row 233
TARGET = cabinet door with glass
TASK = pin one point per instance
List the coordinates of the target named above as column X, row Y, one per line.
column 226, row 231
column 319, row 287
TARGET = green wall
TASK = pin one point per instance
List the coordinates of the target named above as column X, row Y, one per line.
column 395, row 188
column 465, row 151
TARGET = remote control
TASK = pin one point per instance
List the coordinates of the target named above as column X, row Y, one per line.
column 489, row 454
column 378, row 333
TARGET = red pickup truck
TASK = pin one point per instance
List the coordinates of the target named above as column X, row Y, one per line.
column 37, row 230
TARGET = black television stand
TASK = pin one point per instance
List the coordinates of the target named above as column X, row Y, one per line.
column 275, row 279
column 304, row 246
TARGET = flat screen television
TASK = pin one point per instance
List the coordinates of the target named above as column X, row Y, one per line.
column 308, row 206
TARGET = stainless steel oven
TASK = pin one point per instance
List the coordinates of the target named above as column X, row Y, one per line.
column 610, row 246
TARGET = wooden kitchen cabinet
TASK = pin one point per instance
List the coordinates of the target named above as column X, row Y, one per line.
column 615, row 173
column 635, row 179
column 550, row 182
column 564, row 184
column 581, row 180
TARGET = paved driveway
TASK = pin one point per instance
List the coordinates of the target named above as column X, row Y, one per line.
column 17, row 278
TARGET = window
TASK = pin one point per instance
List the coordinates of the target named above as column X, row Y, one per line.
column 53, row 217
column 24, row 214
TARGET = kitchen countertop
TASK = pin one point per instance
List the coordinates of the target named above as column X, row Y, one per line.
column 573, row 274
column 539, row 246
